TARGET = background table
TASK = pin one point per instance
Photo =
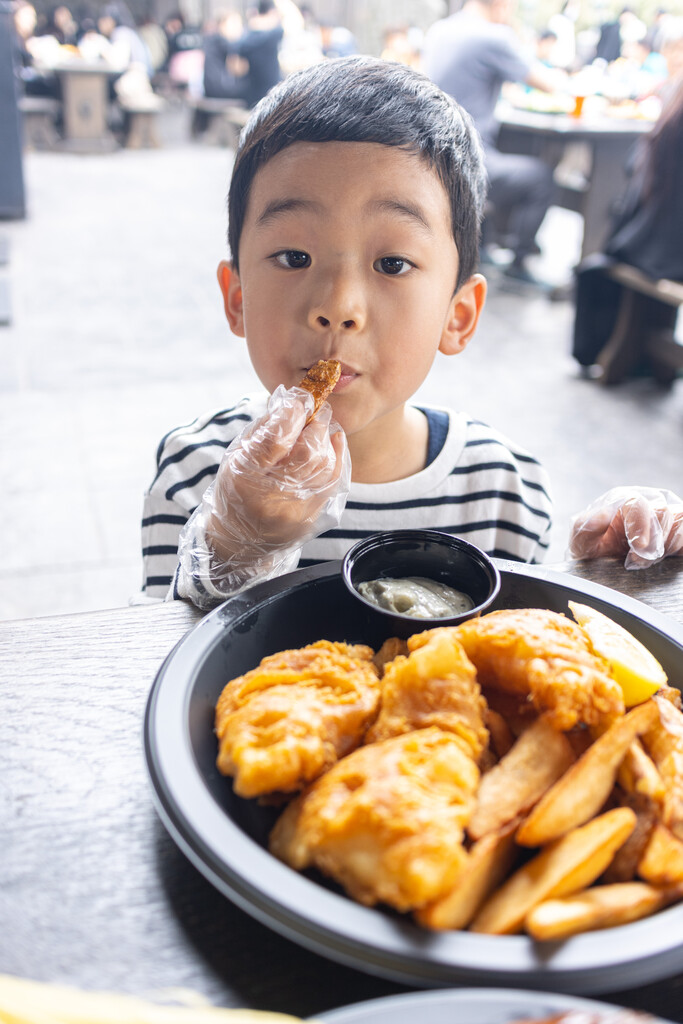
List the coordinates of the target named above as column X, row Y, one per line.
column 610, row 140
column 85, row 94
column 93, row 892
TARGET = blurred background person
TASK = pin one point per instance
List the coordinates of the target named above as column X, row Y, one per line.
column 403, row 43
column 92, row 45
column 33, row 72
column 646, row 233
column 470, row 55
column 563, row 24
column 225, row 72
column 116, row 23
column 60, row 24
column 336, row 40
column 626, row 28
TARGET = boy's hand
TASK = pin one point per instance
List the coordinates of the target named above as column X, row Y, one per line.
column 280, row 483
column 643, row 523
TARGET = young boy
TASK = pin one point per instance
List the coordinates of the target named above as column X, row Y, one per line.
column 354, row 217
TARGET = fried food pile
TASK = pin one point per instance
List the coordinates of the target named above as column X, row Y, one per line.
column 484, row 776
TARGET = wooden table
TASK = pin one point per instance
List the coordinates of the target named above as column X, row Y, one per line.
column 610, row 140
column 93, row 892
column 85, row 94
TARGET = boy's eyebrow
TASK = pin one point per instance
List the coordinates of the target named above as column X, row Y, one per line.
column 404, row 208
column 276, row 207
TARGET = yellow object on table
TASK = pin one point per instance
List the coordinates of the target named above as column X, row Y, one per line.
column 34, row 1002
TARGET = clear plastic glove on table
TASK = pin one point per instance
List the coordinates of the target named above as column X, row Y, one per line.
column 280, row 483
column 644, row 524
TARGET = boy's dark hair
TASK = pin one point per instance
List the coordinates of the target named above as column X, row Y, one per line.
column 366, row 99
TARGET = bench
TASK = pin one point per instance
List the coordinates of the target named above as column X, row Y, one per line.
column 217, row 121
column 141, row 118
column 39, row 117
column 644, row 329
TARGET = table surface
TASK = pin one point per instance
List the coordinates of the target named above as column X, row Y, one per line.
column 93, row 892
column 587, row 125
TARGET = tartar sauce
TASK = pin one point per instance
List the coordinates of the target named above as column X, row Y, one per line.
column 416, row 597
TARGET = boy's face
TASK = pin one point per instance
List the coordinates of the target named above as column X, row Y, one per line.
column 347, row 253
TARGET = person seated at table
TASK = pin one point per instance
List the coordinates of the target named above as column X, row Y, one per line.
column 225, row 72
column 646, row 234
column 470, row 55
column 35, row 77
column 354, row 214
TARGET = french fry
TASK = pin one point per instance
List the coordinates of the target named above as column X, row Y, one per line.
column 603, row 906
column 662, row 860
column 584, row 788
column 488, row 862
column 537, row 760
column 562, row 868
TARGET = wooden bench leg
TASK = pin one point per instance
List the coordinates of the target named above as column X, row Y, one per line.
column 142, row 131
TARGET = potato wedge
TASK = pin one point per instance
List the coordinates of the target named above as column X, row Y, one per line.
column 538, row 758
column 603, row 906
column 624, row 866
column 488, row 862
column 662, row 861
column 562, row 868
column 584, row 788
column 638, row 775
column 664, row 744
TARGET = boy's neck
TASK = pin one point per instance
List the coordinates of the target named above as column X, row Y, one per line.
column 392, row 448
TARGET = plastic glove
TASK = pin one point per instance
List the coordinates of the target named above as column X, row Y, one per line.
column 643, row 523
column 280, row 483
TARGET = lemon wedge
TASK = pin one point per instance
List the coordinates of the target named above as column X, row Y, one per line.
column 638, row 672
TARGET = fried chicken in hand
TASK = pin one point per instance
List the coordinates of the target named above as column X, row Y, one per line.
column 542, row 655
column 283, row 724
column 386, row 821
column 435, row 685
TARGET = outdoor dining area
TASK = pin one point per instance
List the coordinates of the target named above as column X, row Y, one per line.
column 233, row 788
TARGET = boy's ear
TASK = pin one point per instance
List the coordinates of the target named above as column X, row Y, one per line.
column 463, row 315
column 229, row 282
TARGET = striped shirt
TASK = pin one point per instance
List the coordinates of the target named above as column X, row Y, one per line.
column 479, row 486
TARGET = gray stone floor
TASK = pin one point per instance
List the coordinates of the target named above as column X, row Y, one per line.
column 118, row 334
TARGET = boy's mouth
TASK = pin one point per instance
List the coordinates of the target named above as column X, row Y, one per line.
column 346, row 376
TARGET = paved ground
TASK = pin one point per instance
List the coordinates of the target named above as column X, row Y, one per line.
column 118, row 335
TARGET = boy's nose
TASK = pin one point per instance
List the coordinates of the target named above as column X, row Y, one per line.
column 340, row 307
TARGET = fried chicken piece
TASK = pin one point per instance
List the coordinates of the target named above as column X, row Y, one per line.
column 282, row 724
column 435, row 685
column 544, row 655
column 664, row 744
column 387, row 821
column 320, row 381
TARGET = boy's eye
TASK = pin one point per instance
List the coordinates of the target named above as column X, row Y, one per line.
column 292, row 258
column 393, row 265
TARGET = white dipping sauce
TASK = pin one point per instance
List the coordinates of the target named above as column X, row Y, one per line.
column 416, row 597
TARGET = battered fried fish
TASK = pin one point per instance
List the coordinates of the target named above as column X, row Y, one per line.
column 436, row 684
column 543, row 655
column 387, row 821
column 282, row 724
column 320, row 381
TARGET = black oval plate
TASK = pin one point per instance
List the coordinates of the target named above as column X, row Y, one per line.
column 225, row 837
